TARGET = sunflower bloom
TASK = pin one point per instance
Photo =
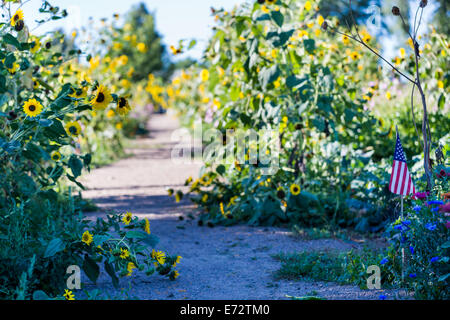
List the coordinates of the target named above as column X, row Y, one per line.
column 130, row 268
column 147, row 226
column 35, row 46
column 127, row 218
column 295, row 189
column 177, row 260
column 159, row 256
column 18, row 16
column 101, row 98
column 32, row 108
column 68, row 295
column 73, row 129
column 204, row 75
column 124, row 253
column 87, row 237
column 122, row 106
column 55, row 156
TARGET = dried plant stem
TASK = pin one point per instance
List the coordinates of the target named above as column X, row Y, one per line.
column 426, row 133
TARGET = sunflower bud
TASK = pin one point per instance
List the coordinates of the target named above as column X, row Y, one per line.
column 395, row 11
column 423, row 3
column 324, row 25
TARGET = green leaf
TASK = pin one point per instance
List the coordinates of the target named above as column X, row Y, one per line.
column 75, row 165
column 10, row 39
column 91, row 268
column 444, row 277
column 293, row 81
column 54, row 246
column 268, row 75
column 220, row 169
column 310, row 45
column 110, row 270
column 278, row 17
column 40, row 295
column 445, row 245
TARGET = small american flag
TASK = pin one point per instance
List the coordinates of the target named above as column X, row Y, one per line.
column 401, row 182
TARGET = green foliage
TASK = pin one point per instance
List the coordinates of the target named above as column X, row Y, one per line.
column 343, row 268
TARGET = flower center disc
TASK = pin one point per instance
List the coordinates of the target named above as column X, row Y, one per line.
column 100, row 97
column 73, row 130
column 122, row 103
column 32, row 108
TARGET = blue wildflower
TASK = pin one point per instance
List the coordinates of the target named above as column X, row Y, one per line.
column 430, row 226
column 384, row 261
column 435, row 202
column 382, row 297
column 435, row 209
column 411, row 248
column 412, row 275
column 434, row 259
column 406, row 222
column 417, row 208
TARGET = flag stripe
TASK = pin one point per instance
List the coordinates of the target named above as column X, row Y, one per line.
column 398, row 182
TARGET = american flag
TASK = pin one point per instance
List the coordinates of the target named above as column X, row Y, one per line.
column 401, row 182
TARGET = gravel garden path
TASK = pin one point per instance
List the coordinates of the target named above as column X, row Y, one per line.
column 218, row 263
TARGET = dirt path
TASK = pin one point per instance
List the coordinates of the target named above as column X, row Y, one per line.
column 218, row 263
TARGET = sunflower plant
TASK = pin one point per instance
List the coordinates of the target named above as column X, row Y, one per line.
column 49, row 101
column 270, row 66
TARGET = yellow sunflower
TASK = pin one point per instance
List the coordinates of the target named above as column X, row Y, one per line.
column 127, row 218
column 177, row 260
column 73, row 129
column 130, row 268
column 147, row 226
column 56, row 156
column 14, row 68
column 32, row 108
column 35, row 84
column 295, row 189
column 175, row 274
column 101, row 98
column 122, row 106
column 87, row 237
column 124, row 253
column 17, row 17
column 78, row 93
column 68, row 295
column 159, row 256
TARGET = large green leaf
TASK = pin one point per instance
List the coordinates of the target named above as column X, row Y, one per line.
column 91, row 268
column 53, row 247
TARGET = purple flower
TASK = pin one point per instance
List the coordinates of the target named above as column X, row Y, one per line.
column 406, row 222
column 430, row 226
column 417, row 208
column 382, row 297
column 384, row 261
column 435, row 209
column 412, row 275
column 434, row 259
column 411, row 248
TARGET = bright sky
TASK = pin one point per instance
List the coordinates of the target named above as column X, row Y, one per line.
column 175, row 19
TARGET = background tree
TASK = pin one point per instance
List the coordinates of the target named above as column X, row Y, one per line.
column 150, row 57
